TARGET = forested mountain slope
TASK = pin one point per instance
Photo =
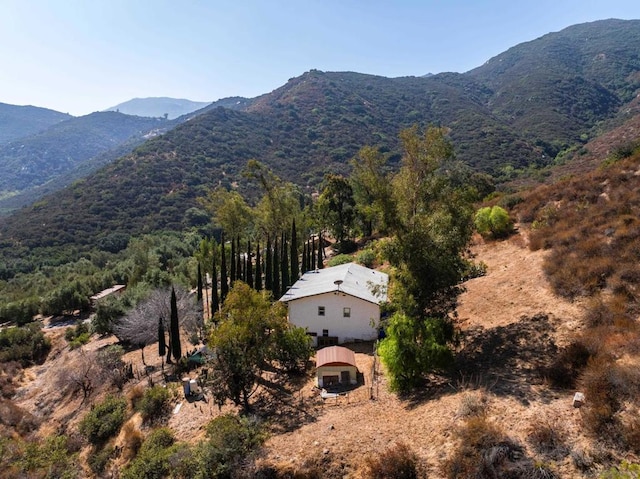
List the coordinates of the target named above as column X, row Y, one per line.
column 20, row 121
column 515, row 112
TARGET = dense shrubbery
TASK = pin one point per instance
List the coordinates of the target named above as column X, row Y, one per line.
column 77, row 335
column 229, row 442
column 154, row 403
column 56, row 456
column 104, row 420
column 26, row 344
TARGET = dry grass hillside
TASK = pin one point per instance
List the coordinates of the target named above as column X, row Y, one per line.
column 496, row 398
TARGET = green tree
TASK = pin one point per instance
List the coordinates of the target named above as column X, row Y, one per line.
column 215, row 299
column 431, row 229
column 258, row 279
column 372, row 190
column 275, row 276
column 229, row 210
column 249, row 267
column 292, row 349
column 199, row 286
column 176, row 348
column 162, row 341
column 293, row 260
column 224, row 284
column 337, row 206
column 279, row 203
column 284, row 267
column 268, row 266
column 243, row 342
column 412, row 347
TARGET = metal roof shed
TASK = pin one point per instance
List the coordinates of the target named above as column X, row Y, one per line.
column 336, row 366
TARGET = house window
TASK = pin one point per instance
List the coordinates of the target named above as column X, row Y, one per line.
column 325, row 332
column 346, row 312
column 320, row 310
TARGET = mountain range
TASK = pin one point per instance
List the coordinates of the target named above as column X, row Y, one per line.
column 527, row 109
column 162, row 107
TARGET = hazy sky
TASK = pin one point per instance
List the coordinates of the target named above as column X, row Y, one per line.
column 80, row 56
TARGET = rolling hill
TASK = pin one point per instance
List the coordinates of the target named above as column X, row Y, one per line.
column 20, row 121
column 51, row 155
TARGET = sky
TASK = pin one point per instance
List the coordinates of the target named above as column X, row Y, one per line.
column 81, row 56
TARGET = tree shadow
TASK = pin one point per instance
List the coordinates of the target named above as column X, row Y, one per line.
column 283, row 404
column 505, row 360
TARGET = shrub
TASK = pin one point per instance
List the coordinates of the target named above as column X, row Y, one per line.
column 547, row 438
column 366, row 258
column 568, row 364
column 230, row 439
column 132, row 440
column 398, row 461
column 472, row 404
column 482, row 450
column 49, row 458
column 153, row 459
column 625, row 470
column 98, row 460
column 25, row 344
column 610, row 387
column 493, row 222
column 154, row 403
column 340, row 259
column 104, row 420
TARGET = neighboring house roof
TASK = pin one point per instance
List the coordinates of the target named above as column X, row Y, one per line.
column 334, row 355
column 109, row 291
column 351, row 278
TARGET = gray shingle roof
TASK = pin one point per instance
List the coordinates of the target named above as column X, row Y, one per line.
column 351, row 278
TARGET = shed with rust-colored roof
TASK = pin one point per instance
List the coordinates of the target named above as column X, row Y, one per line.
column 335, row 366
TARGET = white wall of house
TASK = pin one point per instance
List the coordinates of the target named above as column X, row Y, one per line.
column 304, row 312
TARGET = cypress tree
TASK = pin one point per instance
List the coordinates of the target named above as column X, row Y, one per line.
column 234, row 272
column 285, row 264
column 215, row 300
column 249, row 267
column 258, row 278
column 293, row 260
column 276, row 270
column 239, row 260
column 224, row 285
column 320, row 250
column 199, row 291
column 305, row 266
column 162, row 342
column 176, row 349
column 268, row 269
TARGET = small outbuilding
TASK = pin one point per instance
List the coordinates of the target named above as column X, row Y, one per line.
column 336, row 366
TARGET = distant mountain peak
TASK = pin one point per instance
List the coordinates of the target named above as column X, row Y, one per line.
column 157, row 107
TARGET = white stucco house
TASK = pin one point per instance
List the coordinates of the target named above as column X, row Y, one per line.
column 338, row 304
